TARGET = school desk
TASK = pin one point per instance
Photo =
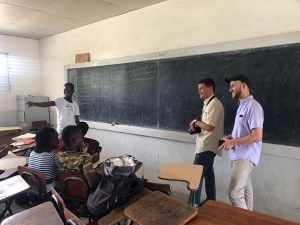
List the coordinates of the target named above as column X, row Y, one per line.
column 22, row 150
column 7, row 133
column 42, row 214
column 117, row 214
column 218, row 213
column 158, row 208
column 183, row 172
column 9, row 188
column 11, row 161
column 4, row 174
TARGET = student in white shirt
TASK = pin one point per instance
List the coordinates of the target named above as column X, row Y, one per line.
column 67, row 109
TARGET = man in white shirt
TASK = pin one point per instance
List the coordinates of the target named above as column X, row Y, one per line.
column 67, row 109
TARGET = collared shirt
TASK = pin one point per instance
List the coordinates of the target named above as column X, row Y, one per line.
column 212, row 114
column 249, row 115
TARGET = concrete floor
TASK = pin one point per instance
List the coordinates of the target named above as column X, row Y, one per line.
column 14, row 207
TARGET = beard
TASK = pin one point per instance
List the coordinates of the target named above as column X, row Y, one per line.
column 238, row 93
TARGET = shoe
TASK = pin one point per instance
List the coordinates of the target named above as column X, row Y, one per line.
column 196, row 206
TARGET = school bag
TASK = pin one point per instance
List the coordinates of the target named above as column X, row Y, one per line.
column 112, row 192
column 116, row 186
column 123, row 165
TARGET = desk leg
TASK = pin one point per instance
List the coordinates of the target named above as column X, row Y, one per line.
column 192, row 198
column 7, row 208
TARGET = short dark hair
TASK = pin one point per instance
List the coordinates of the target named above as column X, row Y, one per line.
column 43, row 138
column 70, row 85
column 208, row 82
column 68, row 134
column 84, row 127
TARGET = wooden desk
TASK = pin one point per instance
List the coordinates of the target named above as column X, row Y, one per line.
column 23, row 148
column 42, row 214
column 9, row 188
column 160, row 209
column 183, row 172
column 12, row 161
column 117, row 214
column 218, row 213
column 7, row 133
column 8, row 173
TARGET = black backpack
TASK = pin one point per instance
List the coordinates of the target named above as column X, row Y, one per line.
column 112, row 192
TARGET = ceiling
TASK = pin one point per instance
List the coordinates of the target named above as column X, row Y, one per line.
column 36, row 19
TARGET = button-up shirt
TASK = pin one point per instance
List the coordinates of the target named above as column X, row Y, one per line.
column 250, row 115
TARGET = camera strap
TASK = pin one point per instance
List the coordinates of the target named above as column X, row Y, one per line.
column 208, row 103
column 210, row 100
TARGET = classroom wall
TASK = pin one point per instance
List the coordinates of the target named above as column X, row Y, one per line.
column 24, row 74
column 181, row 27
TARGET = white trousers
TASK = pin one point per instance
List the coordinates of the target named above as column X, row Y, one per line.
column 240, row 187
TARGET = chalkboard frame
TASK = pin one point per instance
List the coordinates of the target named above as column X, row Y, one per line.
column 157, row 56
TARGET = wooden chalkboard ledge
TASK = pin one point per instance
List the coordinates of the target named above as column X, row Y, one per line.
column 163, row 134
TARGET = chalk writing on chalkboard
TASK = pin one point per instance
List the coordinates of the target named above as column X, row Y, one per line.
column 162, row 93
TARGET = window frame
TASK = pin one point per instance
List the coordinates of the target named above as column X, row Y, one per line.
column 4, row 78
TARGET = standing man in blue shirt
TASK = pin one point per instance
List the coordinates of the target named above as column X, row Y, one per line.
column 244, row 144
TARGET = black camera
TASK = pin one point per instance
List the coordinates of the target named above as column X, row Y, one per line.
column 197, row 131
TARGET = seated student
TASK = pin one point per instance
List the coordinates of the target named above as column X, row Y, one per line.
column 41, row 158
column 93, row 145
column 75, row 158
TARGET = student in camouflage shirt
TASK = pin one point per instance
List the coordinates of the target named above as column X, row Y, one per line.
column 75, row 158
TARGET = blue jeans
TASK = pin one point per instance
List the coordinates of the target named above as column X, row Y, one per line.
column 206, row 159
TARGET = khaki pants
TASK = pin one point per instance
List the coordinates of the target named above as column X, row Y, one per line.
column 240, row 187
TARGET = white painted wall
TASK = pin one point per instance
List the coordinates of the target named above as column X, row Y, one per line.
column 24, row 68
column 24, row 74
column 179, row 27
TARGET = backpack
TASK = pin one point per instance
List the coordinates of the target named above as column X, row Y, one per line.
column 123, row 165
column 112, row 192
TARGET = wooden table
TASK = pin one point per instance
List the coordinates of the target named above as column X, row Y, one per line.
column 160, row 209
column 11, row 161
column 9, row 188
column 183, row 172
column 9, row 164
column 42, row 214
column 24, row 148
column 8, row 173
column 218, row 213
column 117, row 214
column 7, row 133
